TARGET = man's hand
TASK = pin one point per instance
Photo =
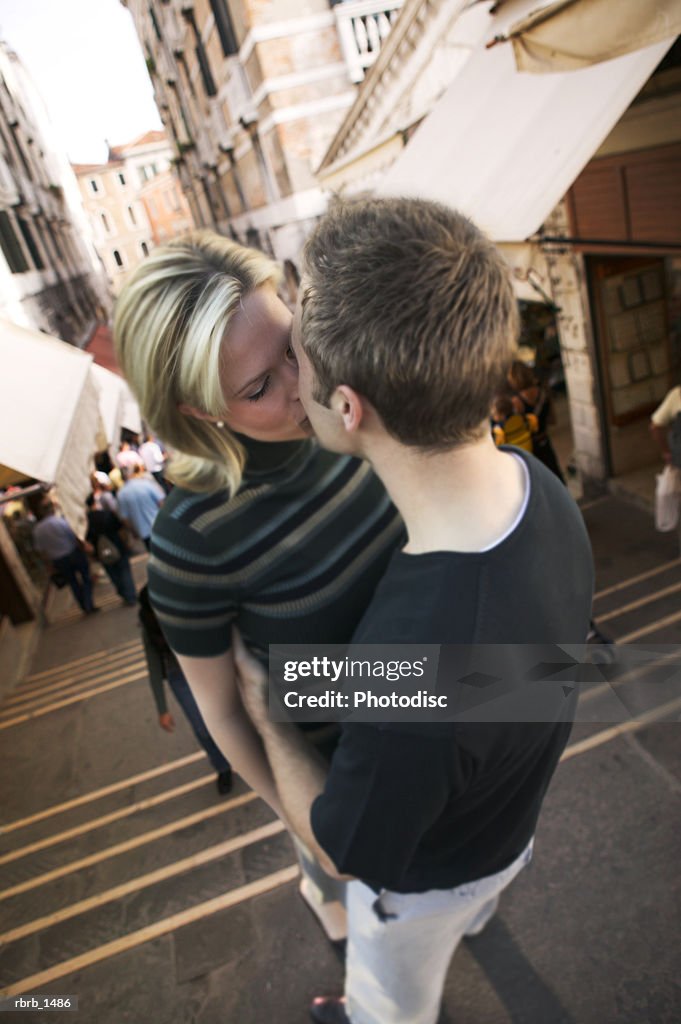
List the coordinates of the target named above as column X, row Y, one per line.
column 252, row 681
column 298, row 770
column 167, row 722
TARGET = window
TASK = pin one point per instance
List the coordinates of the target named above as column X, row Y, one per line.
column 121, row 178
column 131, row 215
column 105, row 222
column 93, row 185
column 145, row 248
column 20, row 150
column 30, row 244
column 206, row 73
column 201, row 55
column 8, row 149
column 142, row 171
column 118, row 258
column 154, row 22
column 223, row 23
column 154, row 170
column 10, row 246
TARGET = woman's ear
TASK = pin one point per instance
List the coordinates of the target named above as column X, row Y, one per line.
column 198, row 414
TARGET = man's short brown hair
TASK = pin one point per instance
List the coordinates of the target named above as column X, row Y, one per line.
column 408, row 303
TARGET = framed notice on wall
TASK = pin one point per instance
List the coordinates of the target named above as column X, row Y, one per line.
column 634, row 337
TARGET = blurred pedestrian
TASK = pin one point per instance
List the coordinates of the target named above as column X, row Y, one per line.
column 102, row 491
column 529, row 396
column 128, row 457
column 163, row 665
column 20, row 526
column 105, row 534
column 64, row 554
column 154, row 459
column 139, row 500
column 665, row 424
column 117, row 477
column 511, row 427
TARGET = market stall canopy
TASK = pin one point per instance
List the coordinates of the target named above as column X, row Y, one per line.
column 504, row 147
column 50, row 422
column 10, row 477
column 111, row 399
column 571, row 34
column 131, row 417
column 117, row 406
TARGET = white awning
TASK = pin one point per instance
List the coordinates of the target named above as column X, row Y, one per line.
column 573, row 34
column 131, row 418
column 117, row 406
column 505, row 147
column 49, row 414
column 111, row 397
column 529, row 271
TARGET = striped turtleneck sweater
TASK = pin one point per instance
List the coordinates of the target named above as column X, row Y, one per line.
column 293, row 557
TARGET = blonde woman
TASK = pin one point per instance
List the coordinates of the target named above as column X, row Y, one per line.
column 263, row 529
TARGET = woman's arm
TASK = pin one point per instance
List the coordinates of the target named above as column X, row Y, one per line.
column 213, row 684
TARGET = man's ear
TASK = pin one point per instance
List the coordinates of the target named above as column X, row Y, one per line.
column 198, row 414
column 350, row 406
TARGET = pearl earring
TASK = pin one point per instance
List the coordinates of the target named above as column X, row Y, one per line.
column 219, row 424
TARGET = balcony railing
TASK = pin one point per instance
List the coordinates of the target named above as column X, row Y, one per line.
column 362, row 26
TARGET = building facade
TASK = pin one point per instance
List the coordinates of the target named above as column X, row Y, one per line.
column 605, row 264
column 251, row 92
column 133, row 202
column 50, row 276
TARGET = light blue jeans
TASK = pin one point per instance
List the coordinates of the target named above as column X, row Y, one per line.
column 400, row 945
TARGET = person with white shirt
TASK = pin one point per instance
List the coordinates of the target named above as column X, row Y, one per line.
column 154, row 458
column 139, row 500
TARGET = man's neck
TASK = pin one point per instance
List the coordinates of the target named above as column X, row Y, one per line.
column 464, row 499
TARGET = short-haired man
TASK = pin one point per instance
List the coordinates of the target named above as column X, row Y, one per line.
column 139, row 500
column 406, row 324
column 64, row 553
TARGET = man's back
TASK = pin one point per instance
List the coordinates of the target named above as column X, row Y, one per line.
column 152, row 456
column 139, row 501
column 54, row 537
column 438, row 805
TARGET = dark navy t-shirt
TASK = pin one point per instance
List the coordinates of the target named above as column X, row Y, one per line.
column 412, row 807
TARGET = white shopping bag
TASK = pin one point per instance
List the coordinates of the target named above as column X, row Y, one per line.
column 667, row 499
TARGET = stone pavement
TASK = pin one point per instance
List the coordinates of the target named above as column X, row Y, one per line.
column 127, row 880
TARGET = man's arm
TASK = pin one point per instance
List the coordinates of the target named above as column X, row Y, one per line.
column 299, row 772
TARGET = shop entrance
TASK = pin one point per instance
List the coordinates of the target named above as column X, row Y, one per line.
column 637, row 361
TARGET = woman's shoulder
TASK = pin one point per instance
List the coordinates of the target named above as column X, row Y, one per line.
column 184, row 509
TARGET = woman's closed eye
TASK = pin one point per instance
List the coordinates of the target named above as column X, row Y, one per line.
column 263, row 390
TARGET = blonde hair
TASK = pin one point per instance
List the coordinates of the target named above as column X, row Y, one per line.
column 169, row 323
column 407, row 302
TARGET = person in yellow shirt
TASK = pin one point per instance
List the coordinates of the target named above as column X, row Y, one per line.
column 510, row 427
